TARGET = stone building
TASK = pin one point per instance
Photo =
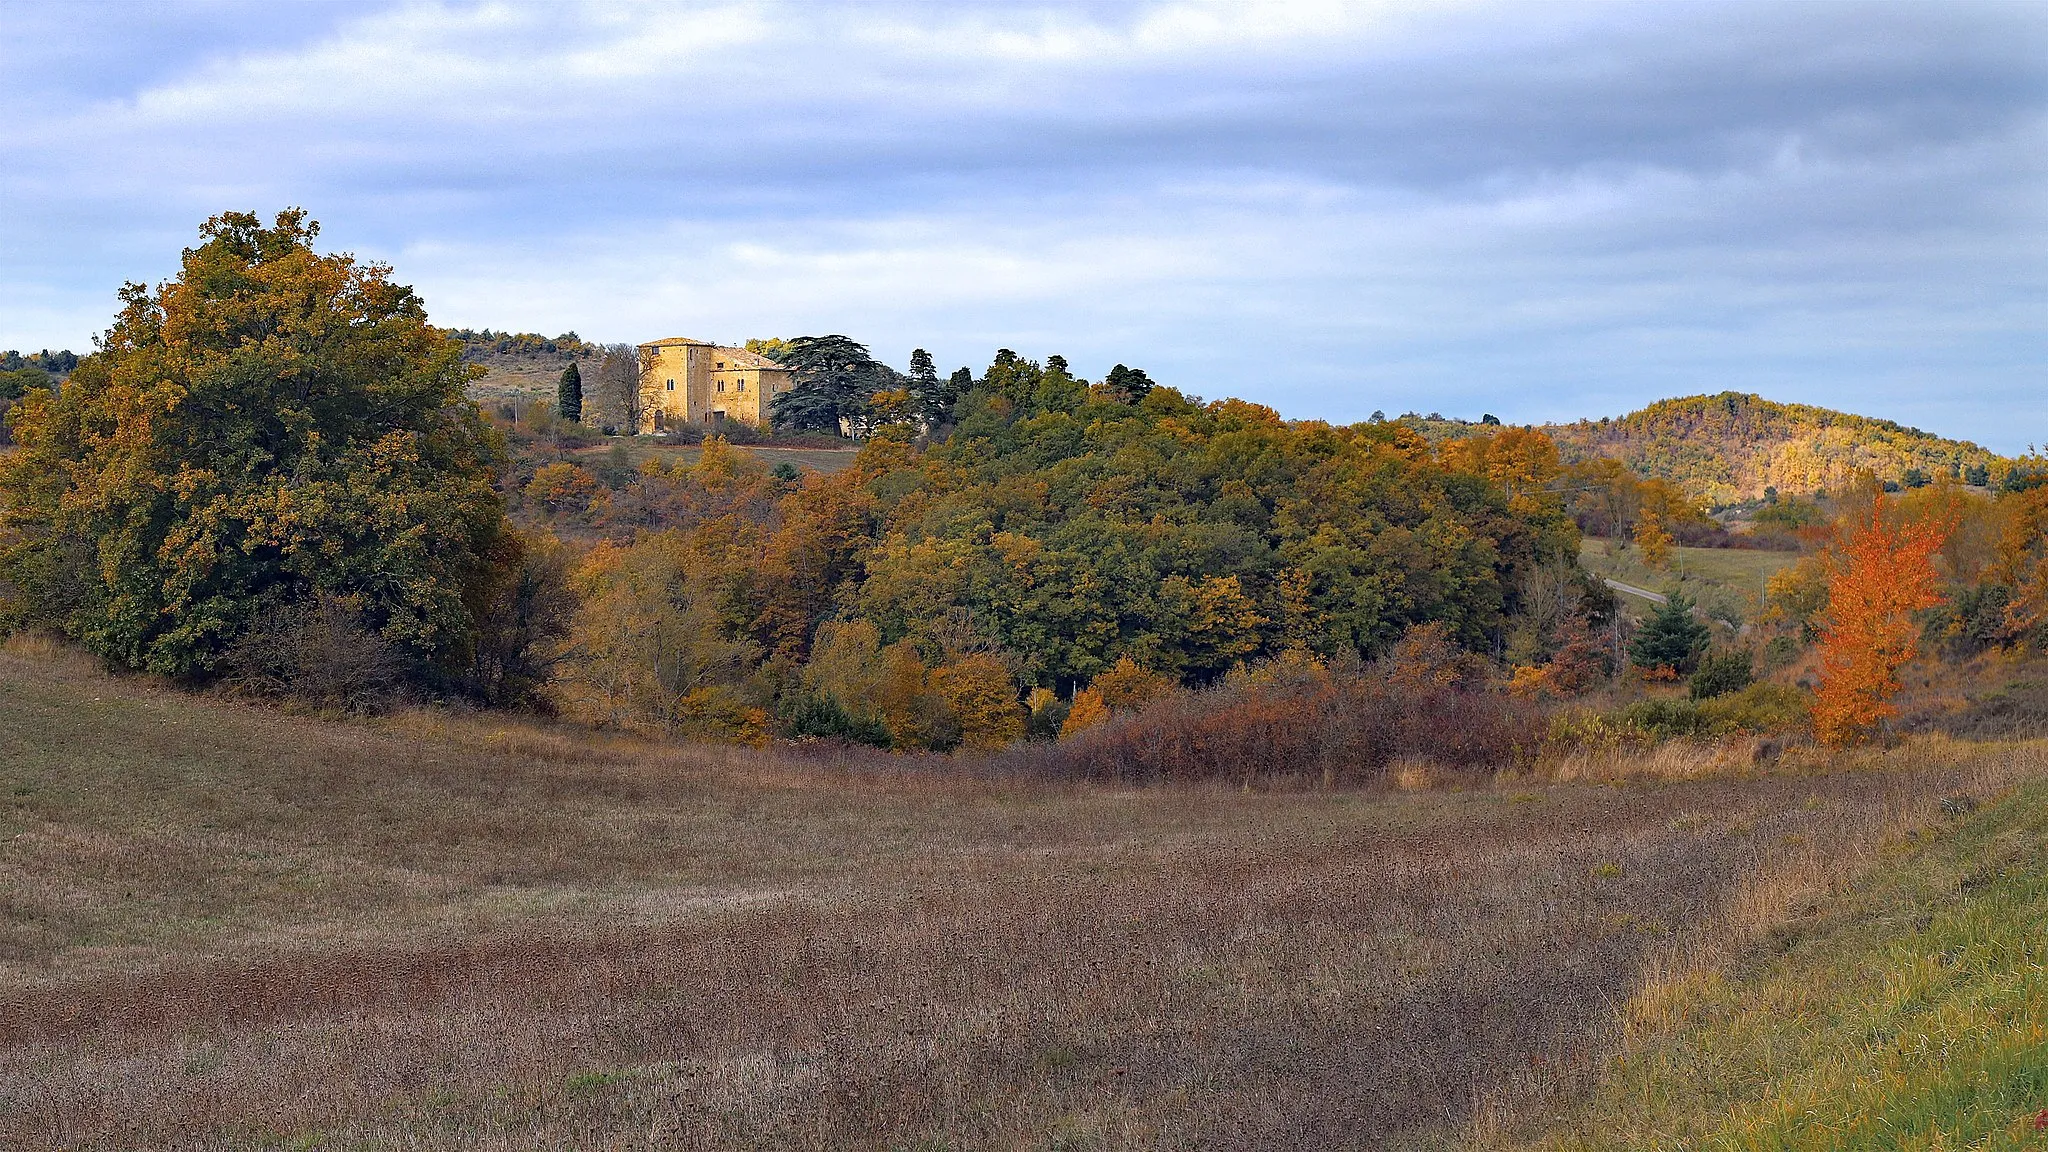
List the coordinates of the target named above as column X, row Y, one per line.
column 685, row 381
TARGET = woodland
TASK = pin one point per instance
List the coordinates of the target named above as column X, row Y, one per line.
column 270, row 478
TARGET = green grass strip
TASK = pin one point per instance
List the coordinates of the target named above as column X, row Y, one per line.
column 1914, row 1015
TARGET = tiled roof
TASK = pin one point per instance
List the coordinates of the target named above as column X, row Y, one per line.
column 734, row 357
column 741, row 358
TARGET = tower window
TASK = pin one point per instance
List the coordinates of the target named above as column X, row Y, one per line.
column 671, row 385
column 740, row 387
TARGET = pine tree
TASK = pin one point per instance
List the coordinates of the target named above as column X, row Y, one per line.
column 1127, row 385
column 836, row 379
column 569, row 394
column 1671, row 638
column 931, row 398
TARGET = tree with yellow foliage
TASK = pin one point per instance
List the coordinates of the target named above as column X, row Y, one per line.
column 1126, row 686
column 565, row 489
column 1652, row 540
column 1522, row 461
column 983, row 698
column 648, row 651
column 2023, row 561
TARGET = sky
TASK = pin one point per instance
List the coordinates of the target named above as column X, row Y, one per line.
column 1539, row 211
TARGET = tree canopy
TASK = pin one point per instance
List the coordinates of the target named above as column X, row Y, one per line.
column 835, row 383
column 271, row 427
column 1076, row 526
column 1062, row 535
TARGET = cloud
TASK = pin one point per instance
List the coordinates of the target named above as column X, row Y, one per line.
column 1536, row 211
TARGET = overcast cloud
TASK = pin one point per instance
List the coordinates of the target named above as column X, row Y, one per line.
column 1540, row 211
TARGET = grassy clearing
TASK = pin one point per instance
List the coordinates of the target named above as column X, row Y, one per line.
column 1910, row 1013
column 230, row 927
column 520, row 379
column 1701, row 573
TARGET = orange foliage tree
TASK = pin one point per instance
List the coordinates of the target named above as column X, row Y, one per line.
column 1087, row 711
column 563, row 488
column 1880, row 576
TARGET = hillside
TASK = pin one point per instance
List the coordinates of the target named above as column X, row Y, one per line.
column 1907, row 1013
column 1732, row 446
column 520, row 368
column 466, row 931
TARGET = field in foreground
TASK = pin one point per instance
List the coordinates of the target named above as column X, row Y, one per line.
column 1909, row 1012
column 224, row 927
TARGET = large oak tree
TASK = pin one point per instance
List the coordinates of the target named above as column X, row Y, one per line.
column 272, row 427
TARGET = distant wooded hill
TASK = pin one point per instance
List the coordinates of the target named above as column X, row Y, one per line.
column 1732, row 446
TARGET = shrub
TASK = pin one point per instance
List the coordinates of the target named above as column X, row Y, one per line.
column 1665, row 719
column 318, row 652
column 1721, row 673
column 1780, row 652
column 1973, row 620
column 1761, row 707
column 817, row 715
column 1305, row 723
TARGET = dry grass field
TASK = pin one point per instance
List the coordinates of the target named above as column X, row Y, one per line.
column 515, row 379
column 225, row 926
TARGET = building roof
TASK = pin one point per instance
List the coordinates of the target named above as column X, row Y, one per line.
column 741, row 358
column 736, row 357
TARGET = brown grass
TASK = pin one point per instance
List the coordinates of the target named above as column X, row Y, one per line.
column 225, row 927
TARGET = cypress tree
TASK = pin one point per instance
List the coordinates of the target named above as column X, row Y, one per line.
column 569, row 394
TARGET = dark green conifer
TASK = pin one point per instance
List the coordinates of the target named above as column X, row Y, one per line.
column 1672, row 638
column 569, row 394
